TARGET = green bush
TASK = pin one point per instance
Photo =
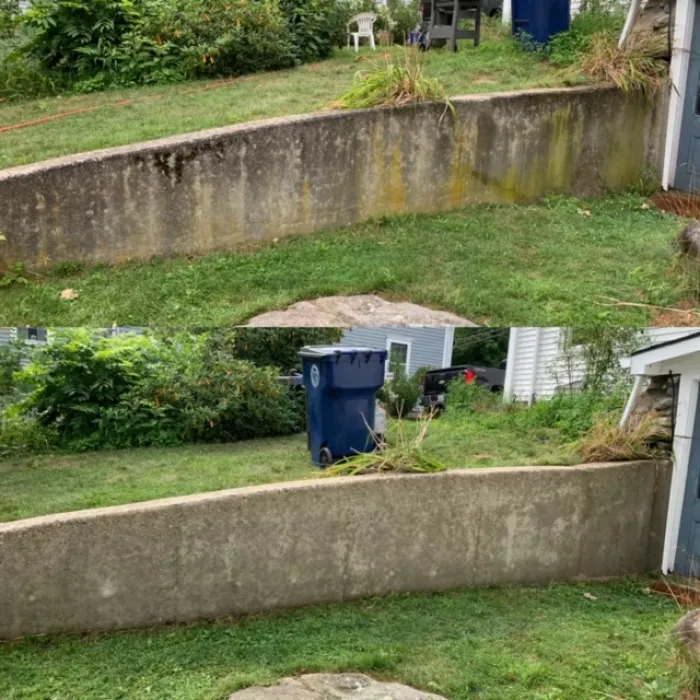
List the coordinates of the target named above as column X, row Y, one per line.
column 9, row 17
column 470, row 398
column 87, row 45
column 145, row 390
column 314, row 26
column 401, row 393
column 279, row 347
column 10, row 363
column 81, row 37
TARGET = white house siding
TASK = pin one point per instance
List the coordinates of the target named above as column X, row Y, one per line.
column 539, row 364
column 429, row 347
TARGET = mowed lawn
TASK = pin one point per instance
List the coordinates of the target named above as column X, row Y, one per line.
column 560, row 642
column 559, row 262
column 54, row 483
column 139, row 114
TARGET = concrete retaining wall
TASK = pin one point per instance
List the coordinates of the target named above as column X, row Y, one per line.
column 254, row 182
column 291, row 544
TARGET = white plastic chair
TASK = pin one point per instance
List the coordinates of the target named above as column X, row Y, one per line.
column 365, row 28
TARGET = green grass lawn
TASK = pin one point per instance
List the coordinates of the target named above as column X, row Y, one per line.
column 158, row 111
column 545, row 264
column 512, row 643
column 55, row 483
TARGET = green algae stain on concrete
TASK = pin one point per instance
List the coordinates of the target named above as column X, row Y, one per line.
column 624, row 157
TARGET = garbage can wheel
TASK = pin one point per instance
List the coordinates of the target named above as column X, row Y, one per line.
column 326, row 457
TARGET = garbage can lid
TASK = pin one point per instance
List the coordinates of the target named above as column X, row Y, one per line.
column 318, row 351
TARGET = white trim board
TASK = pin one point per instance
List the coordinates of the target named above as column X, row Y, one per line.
column 680, row 56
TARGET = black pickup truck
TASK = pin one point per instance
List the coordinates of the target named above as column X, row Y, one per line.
column 436, row 382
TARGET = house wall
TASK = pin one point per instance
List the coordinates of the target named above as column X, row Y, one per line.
column 257, row 182
column 430, row 347
column 540, row 365
column 323, row 540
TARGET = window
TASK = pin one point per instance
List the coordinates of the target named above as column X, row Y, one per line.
column 32, row 335
column 398, row 356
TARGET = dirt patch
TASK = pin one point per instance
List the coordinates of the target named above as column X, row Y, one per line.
column 685, row 595
column 679, row 203
column 685, row 315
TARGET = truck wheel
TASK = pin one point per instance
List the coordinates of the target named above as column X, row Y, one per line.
column 326, row 457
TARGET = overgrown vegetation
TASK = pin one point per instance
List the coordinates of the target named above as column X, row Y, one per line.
column 84, row 391
column 590, row 49
column 87, row 45
column 400, row 393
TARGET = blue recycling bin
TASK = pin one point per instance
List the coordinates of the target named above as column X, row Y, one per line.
column 340, row 387
column 540, row 20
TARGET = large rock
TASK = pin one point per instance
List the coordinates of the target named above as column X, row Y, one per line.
column 687, row 633
column 324, row 686
column 360, row 310
column 688, row 240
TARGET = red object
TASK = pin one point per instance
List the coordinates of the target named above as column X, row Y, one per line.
column 469, row 376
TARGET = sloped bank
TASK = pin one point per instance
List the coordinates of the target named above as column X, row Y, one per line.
column 300, row 543
column 217, row 189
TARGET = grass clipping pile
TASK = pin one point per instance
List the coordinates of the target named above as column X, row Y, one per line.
column 404, row 456
column 400, row 82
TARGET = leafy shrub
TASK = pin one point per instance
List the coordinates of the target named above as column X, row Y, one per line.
column 470, row 398
column 401, row 393
column 314, row 26
column 278, row 347
column 10, row 363
column 82, row 37
column 144, row 390
column 21, row 434
column 76, row 379
column 93, row 44
column 9, row 16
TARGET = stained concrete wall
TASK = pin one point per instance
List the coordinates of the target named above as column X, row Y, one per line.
column 254, row 182
column 291, row 544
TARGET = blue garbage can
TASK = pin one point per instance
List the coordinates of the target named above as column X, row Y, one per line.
column 340, row 387
column 540, row 20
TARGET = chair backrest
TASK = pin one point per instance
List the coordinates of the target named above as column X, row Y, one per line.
column 365, row 21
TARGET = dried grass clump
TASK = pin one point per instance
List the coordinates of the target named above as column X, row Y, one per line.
column 608, row 442
column 634, row 68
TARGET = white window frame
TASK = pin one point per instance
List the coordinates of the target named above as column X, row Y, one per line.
column 29, row 341
column 397, row 341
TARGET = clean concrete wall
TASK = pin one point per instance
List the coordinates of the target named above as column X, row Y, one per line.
column 291, row 544
column 254, row 182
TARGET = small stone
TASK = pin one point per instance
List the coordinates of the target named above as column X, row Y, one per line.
column 590, row 596
column 69, row 294
column 663, row 404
